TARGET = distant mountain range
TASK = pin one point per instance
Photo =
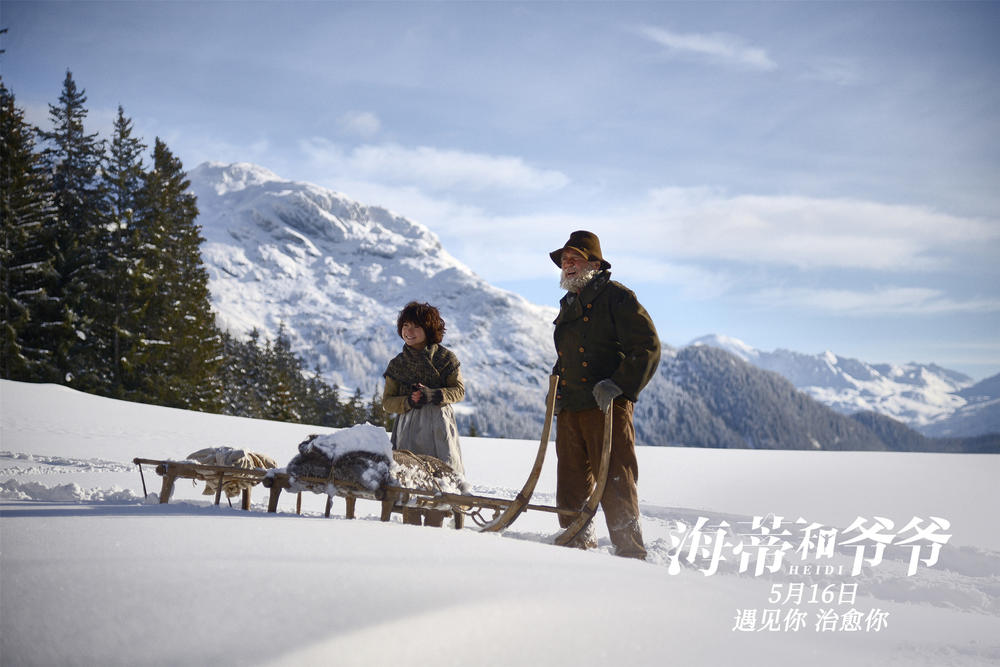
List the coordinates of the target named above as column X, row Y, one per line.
column 934, row 400
column 334, row 273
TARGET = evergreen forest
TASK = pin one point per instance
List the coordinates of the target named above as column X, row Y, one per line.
column 104, row 289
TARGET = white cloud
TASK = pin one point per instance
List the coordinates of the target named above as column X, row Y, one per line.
column 504, row 247
column 700, row 243
column 884, row 301
column 806, row 232
column 432, row 168
column 707, row 244
column 497, row 247
column 693, row 281
column 360, row 123
column 196, row 150
column 36, row 114
column 717, row 47
column 839, row 71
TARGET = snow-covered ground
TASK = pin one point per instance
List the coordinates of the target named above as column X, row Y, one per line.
column 91, row 574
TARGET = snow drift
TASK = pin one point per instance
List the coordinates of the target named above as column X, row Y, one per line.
column 92, row 574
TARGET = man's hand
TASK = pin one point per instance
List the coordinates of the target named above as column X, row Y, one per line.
column 606, row 391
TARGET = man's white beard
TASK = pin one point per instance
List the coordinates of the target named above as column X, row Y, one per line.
column 577, row 282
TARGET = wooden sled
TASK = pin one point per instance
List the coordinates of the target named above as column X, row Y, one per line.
column 401, row 499
column 172, row 470
column 430, row 504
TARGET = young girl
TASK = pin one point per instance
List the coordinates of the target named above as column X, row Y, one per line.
column 421, row 383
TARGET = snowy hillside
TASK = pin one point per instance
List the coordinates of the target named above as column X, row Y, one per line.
column 92, row 575
column 924, row 396
column 335, row 273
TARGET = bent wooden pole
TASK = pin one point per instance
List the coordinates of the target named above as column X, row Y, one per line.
column 520, row 502
column 589, row 509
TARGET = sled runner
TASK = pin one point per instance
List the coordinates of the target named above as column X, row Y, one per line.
column 520, row 501
column 585, row 515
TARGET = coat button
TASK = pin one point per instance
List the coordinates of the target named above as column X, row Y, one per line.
column 581, row 349
column 586, row 319
column 583, row 379
column 562, row 382
column 585, row 364
column 589, row 306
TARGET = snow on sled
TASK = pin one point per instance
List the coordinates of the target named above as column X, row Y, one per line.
column 359, row 462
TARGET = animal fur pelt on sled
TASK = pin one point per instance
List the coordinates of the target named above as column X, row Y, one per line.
column 319, row 457
column 227, row 456
column 371, row 469
column 423, row 471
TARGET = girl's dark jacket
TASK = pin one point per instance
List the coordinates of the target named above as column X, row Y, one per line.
column 603, row 332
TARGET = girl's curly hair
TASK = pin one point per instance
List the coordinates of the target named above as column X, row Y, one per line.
column 424, row 316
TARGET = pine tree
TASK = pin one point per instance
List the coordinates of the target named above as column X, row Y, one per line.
column 323, row 402
column 258, row 377
column 376, row 413
column 181, row 351
column 27, row 251
column 81, row 232
column 354, row 411
column 266, row 380
column 230, row 378
column 311, row 413
column 238, row 376
column 287, row 387
column 127, row 288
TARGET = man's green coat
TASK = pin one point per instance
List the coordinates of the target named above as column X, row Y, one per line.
column 603, row 332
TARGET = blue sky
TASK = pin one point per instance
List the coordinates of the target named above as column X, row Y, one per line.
column 809, row 176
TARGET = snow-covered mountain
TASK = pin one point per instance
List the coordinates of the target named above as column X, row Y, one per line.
column 979, row 414
column 335, row 274
column 927, row 397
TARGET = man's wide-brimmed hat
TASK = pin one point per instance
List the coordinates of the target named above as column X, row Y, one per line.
column 585, row 243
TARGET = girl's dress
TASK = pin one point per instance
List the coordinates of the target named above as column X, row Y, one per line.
column 429, row 428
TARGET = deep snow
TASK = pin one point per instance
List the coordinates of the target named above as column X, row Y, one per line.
column 91, row 574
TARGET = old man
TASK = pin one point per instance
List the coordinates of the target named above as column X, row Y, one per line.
column 607, row 351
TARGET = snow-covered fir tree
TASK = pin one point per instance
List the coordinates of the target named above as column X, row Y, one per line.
column 180, row 351
column 27, row 253
column 74, row 157
column 265, row 379
column 104, row 286
column 323, row 402
column 288, row 386
column 123, row 300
